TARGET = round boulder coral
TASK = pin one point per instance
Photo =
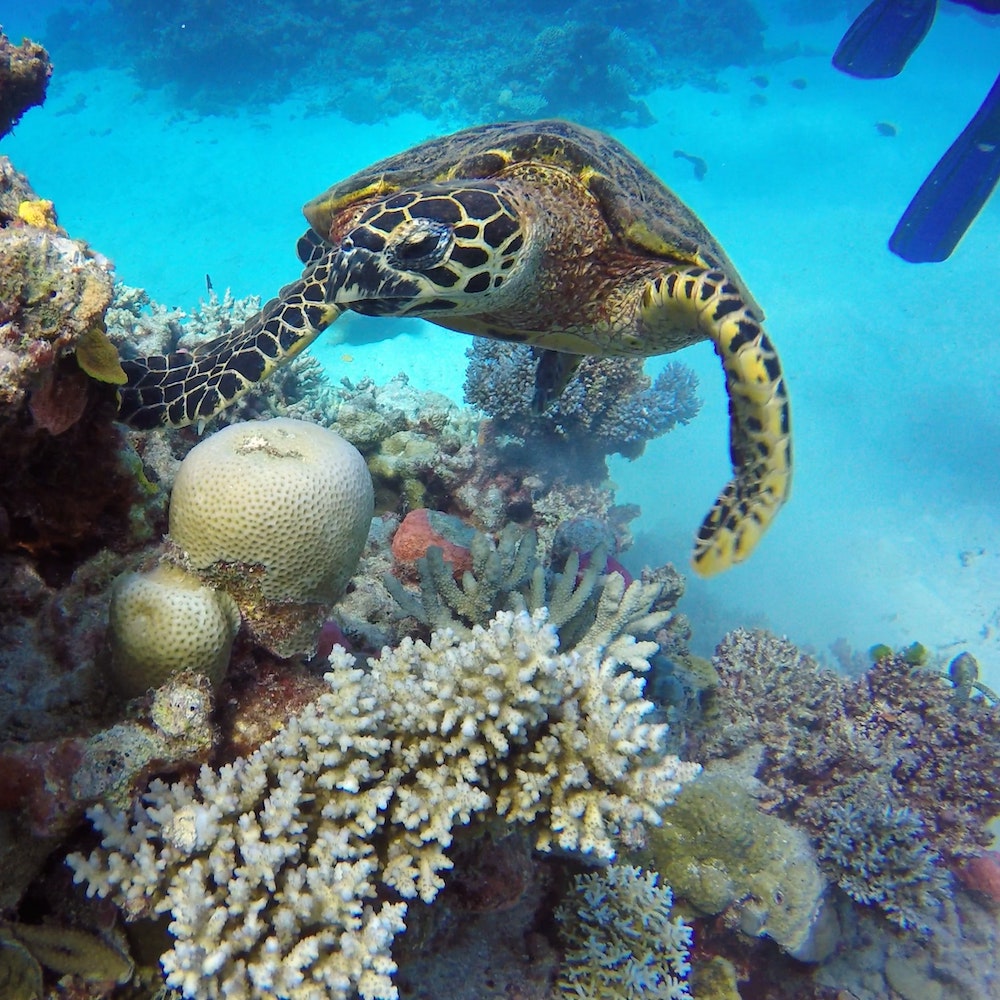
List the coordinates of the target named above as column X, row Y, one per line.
column 286, row 503
column 290, row 496
column 166, row 621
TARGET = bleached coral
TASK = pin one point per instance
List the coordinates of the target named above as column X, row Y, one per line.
column 622, row 942
column 275, row 869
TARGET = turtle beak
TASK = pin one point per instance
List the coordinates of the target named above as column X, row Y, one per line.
column 362, row 280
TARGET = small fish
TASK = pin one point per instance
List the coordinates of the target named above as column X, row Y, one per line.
column 758, row 100
column 208, row 284
column 800, row 83
column 700, row 166
column 760, row 80
column 347, row 357
column 886, row 128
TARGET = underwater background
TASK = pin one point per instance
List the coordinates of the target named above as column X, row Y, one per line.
column 181, row 149
column 181, row 140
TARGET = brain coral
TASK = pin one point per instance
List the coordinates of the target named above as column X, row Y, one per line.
column 165, row 621
column 290, row 496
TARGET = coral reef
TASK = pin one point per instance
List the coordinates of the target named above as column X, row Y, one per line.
column 275, row 869
column 54, row 291
column 609, row 406
column 24, row 77
column 862, row 764
column 622, row 941
column 881, row 857
column 529, row 60
column 69, row 485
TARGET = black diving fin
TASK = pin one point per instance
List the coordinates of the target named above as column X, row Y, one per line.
column 883, row 37
column 954, row 192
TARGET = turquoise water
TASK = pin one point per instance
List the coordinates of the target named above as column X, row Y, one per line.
column 891, row 366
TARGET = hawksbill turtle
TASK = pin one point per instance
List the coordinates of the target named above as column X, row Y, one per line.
column 543, row 233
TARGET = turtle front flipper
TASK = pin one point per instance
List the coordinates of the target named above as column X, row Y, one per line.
column 760, row 442
column 179, row 389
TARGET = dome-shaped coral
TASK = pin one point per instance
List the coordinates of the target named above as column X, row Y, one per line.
column 166, row 621
column 289, row 504
column 290, row 496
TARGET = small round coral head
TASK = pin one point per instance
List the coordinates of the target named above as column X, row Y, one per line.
column 164, row 621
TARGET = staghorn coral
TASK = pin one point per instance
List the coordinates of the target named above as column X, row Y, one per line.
column 276, row 870
column 880, row 856
column 587, row 607
column 622, row 941
column 497, row 571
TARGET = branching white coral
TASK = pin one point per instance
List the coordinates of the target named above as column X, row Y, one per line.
column 274, row 869
column 621, row 940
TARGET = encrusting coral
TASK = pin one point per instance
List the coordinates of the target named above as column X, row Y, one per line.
column 623, row 942
column 720, row 853
column 277, row 870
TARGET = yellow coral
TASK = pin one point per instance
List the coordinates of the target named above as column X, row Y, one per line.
column 40, row 213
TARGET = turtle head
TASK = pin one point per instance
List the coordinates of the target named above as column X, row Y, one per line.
column 433, row 250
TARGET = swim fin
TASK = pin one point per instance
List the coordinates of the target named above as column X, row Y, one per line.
column 954, row 192
column 883, row 37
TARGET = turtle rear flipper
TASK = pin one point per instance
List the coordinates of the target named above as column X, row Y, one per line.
column 759, row 414
column 178, row 389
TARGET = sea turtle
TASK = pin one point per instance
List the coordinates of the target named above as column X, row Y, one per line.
column 543, row 233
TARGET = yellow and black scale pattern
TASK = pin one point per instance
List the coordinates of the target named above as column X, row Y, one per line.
column 185, row 388
column 409, row 236
column 760, row 441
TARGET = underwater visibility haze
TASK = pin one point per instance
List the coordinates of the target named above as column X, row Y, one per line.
column 344, row 654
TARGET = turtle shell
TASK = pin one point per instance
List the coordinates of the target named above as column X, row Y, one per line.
column 640, row 210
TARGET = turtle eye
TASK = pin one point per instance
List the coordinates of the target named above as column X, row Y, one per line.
column 419, row 245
